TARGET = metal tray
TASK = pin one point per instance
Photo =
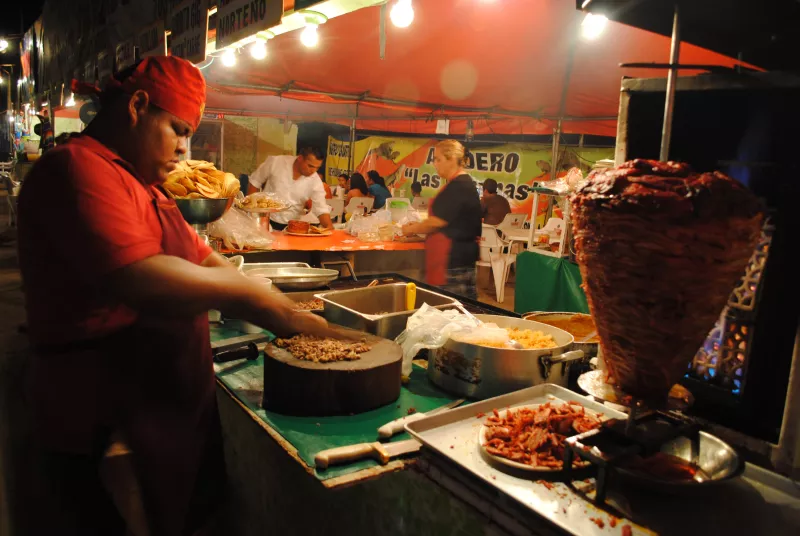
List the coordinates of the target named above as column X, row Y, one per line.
column 454, row 434
column 380, row 310
column 296, row 277
column 246, row 267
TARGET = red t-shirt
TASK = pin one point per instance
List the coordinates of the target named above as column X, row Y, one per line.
column 82, row 215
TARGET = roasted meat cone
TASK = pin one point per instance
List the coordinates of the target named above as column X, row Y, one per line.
column 660, row 249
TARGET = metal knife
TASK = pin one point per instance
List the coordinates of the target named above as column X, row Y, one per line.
column 398, row 425
column 380, row 452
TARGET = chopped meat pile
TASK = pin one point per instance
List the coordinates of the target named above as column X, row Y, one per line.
column 535, row 436
column 320, row 350
column 310, row 305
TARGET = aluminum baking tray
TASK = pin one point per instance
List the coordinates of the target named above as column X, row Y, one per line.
column 296, row 277
column 454, row 434
column 759, row 502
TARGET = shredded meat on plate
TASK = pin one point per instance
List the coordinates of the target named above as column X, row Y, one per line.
column 310, row 305
column 321, row 350
column 535, row 436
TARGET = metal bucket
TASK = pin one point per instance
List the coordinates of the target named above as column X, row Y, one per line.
column 480, row 372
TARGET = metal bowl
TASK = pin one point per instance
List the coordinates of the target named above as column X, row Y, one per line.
column 201, row 211
column 296, row 278
column 717, row 461
column 590, row 349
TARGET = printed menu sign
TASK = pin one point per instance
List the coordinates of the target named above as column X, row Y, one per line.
column 188, row 25
column 237, row 19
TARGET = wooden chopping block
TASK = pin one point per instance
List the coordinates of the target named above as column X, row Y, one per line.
column 298, row 387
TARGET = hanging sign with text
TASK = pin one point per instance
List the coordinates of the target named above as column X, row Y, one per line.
column 237, row 19
column 152, row 40
column 124, row 55
column 188, row 25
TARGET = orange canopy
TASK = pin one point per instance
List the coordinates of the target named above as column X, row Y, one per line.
column 502, row 64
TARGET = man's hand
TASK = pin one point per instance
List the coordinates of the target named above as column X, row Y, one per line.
column 325, row 221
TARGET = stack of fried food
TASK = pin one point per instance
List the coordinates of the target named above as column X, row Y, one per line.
column 197, row 179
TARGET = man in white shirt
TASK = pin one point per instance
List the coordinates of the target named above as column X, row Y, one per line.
column 294, row 179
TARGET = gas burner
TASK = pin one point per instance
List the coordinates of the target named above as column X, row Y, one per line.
column 619, row 443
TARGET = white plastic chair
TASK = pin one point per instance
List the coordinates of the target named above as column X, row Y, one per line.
column 337, row 208
column 554, row 227
column 512, row 221
column 496, row 254
column 358, row 204
column 421, row 203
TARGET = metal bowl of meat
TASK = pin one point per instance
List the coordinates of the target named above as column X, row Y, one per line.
column 295, row 277
column 202, row 211
column 676, row 468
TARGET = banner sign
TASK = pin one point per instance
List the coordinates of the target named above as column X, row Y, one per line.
column 152, row 41
column 402, row 161
column 237, row 19
column 188, row 25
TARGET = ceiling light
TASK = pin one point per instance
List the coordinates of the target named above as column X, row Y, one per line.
column 3, row 45
column 310, row 37
column 258, row 49
column 593, row 25
column 70, row 101
column 10, row 118
column 402, row 14
column 229, row 58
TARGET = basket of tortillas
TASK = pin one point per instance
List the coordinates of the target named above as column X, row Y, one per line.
column 197, row 179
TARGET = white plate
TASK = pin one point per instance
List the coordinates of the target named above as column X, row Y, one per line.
column 326, row 233
column 517, row 465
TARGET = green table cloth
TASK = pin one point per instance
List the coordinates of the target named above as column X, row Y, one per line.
column 309, row 435
column 545, row 283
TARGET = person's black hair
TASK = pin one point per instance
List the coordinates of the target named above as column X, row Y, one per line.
column 316, row 152
column 490, row 185
column 344, row 176
column 375, row 177
column 357, row 182
column 416, row 187
column 110, row 93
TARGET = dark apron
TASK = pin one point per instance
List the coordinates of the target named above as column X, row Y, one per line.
column 153, row 381
column 437, row 255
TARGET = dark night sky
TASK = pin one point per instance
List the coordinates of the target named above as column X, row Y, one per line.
column 10, row 14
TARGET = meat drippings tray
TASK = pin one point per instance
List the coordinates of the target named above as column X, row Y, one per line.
column 454, row 434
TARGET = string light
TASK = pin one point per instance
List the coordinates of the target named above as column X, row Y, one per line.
column 402, row 14
column 3, row 45
column 593, row 25
column 70, row 101
column 229, row 58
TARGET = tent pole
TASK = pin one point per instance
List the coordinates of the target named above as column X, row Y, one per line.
column 669, row 106
column 556, row 150
column 350, row 161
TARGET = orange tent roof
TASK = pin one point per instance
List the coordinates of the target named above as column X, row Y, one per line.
column 502, row 64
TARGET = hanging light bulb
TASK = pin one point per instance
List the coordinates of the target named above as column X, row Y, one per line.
column 70, row 101
column 259, row 49
column 593, row 25
column 3, row 45
column 229, row 58
column 402, row 14
column 10, row 118
column 310, row 37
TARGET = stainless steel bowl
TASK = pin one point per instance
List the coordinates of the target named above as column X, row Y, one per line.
column 717, row 461
column 590, row 349
column 202, row 211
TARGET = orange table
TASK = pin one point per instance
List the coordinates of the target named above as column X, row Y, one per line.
column 338, row 241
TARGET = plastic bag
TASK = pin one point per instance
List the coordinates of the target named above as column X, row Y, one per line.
column 366, row 225
column 239, row 231
column 431, row 328
column 485, row 334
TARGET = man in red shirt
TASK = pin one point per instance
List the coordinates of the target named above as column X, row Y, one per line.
column 117, row 290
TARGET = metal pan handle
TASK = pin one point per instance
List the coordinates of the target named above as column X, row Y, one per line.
column 574, row 355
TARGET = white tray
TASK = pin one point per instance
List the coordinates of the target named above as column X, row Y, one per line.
column 760, row 502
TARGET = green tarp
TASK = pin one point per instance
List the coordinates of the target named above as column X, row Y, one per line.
column 545, row 283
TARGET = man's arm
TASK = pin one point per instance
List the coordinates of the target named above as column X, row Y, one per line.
column 319, row 206
column 325, row 220
column 260, row 177
column 215, row 260
column 430, row 225
column 174, row 286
